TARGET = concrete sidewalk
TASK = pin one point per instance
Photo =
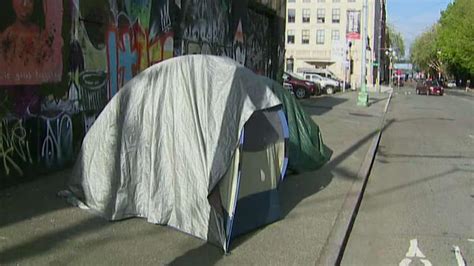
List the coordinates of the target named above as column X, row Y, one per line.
column 383, row 89
column 36, row 227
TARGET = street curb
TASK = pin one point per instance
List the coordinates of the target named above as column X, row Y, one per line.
column 335, row 245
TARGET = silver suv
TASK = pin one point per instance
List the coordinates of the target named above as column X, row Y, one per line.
column 328, row 85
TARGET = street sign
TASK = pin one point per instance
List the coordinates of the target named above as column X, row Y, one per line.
column 403, row 66
column 376, row 64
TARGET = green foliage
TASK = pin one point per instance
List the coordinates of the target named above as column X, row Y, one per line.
column 448, row 46
column 456, row 36
column 396, row 40
column 424, row 51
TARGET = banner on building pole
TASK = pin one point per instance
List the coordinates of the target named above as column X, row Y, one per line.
column 353, row 25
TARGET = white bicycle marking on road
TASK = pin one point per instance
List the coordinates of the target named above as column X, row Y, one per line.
column 459, row 258
column 414, row 252
column 405, row 262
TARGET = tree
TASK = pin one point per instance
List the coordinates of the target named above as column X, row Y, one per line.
column 447, row 47
column 455, row 37
column 396, row 40
column 424, row 51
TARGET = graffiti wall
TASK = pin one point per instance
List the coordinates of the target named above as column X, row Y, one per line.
column 61, row 61
column 227, row 28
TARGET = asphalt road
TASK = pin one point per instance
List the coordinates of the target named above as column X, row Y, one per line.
column 418, row 207
column 461, row 93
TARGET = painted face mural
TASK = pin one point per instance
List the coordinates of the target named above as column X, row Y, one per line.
column 31, row 42
column 23, row 9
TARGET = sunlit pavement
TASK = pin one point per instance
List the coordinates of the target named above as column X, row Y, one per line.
column 418, row 208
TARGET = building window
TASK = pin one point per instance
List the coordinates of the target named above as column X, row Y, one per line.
column 320, row 37
column 321, row 1
column 306, row 15
column 306, row 1
column 305, row 36
column 336, row 1
column 336, row 15
column 290, row 37
column 289, row 65
column 351, row 1
column 291, row 15
column 335, row 35
column 291, row 1
column 321, row 15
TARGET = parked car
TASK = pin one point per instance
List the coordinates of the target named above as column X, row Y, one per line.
column 429, row 87
column 451, row 84
column 301, row 88
column 328, row 85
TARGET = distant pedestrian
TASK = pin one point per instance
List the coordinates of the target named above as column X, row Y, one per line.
column 468, row 85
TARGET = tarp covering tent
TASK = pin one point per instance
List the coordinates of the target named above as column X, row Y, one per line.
column 306, row 149
column 197, row 143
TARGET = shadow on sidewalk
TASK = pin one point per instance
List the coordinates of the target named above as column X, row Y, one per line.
column 297, row 188
column 29, row 200
column 319, row 106
column 373, row 101
column 293, row 190
column 49, row 241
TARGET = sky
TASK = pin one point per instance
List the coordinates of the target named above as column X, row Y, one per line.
column 412, row 17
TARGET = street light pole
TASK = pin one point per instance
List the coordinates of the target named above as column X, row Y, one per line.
column 391, row 54
column 379, row 44
column 390, row 80
column 363, row 99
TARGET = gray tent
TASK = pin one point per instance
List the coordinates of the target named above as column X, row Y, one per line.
column 196, row 142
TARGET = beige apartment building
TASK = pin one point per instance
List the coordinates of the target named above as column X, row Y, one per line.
column 328, row 34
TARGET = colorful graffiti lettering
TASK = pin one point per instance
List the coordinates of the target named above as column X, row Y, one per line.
column 130, row 50
column 14, row 147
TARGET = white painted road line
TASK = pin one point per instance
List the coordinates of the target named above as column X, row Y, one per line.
column 459, row 258
column 470, row 240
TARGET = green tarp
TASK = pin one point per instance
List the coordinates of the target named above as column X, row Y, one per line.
column 307, row 151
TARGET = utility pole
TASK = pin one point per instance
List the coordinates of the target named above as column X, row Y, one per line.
column 363, row 99
column 379, row 46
